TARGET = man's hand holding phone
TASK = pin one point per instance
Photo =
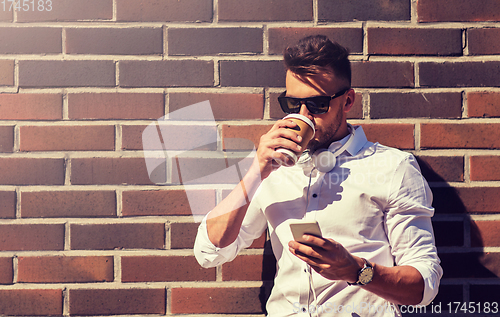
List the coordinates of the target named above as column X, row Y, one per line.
column 326, row 256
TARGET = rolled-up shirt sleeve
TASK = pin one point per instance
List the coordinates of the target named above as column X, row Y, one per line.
column 208, row 255
column 409, row 226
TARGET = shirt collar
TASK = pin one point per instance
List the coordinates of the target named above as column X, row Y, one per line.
column 359, row 140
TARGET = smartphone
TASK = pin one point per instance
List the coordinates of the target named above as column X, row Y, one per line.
column 301, row 228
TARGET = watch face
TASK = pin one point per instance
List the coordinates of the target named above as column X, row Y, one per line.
column 366, row 275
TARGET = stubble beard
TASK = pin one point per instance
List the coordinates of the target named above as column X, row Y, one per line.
column 328, row 135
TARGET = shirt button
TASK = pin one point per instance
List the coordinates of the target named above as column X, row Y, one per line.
column 315, row 195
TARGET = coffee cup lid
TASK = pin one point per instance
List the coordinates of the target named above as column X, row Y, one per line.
column 303, row 118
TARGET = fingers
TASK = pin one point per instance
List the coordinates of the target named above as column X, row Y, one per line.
column 281, row 135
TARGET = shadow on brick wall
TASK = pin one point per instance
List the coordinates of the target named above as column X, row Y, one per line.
column 459, row 241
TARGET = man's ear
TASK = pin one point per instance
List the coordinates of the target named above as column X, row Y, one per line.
column 351, row 96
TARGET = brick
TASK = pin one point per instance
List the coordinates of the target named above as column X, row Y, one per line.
column 415, row 105
column 468, row 135
column 363, row 10
column 457, row 10
column 31, row 302
column 131, row 106
column 72, row 10
column 7, row 204
column 275, row 111
column 486, row 295
column 118, row 236
column 214, row 41
column 414, row 41
column 6, row 139
column 483, row 41
column 31, row 237
column 225, row 106
column 250, row 268
column 382, row 74
column 243, row 135
column 188, row 170
column 483, row 104
column 6, row 15
column 67, row 138
column 448, row 233
column 262, row 10
column 164, row 11
column 182, row 235
column 117, row 301
column 65, row 269
column 68, row 204
column 216, row 300
column 472, row 265
column 107, row 171
column 460, row 74
column 442, row 168
column 174, row 73
column 32, row 171
column 252, row 73
column 31, row 40
column 6, row 73
column 164, row 269
column 400, row 136
column 280, row 38
column 66, row 73
column 485, row 168
column 31, row 106
column 6, row 270
column 166, row 202
column 485, row 233
column 174, row 137
column 459, row 200
column 447, row 294
column 114, row 41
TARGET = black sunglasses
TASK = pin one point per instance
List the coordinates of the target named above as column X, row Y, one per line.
column 315, row 105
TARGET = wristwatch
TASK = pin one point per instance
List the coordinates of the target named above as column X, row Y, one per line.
column 365, row 275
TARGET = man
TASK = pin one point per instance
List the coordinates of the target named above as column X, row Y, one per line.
column 373, row 208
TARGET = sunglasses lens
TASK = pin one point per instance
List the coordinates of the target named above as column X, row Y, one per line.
column 318, row 106
column 289, row 105
column 315, row 105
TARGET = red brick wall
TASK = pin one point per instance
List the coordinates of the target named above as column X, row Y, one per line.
column 83, row 231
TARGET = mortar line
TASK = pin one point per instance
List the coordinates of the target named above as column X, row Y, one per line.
column 413, row 12
column 315, row 10
column 215, row 13
column 117, row 266
column 114, row 11
column 465, row 107
column 417, row 132
column 67, row 236
column 15, row 269
column 165, row 42
column 65, row 105
column 265, row 40
column 168, row 236
column 65, row 301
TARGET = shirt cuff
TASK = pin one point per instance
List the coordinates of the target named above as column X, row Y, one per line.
column 206, row 253
column 432, row 276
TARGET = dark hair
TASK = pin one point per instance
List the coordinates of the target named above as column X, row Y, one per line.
column 316, row 54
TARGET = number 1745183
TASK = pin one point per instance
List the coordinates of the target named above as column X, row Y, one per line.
column 26, row 5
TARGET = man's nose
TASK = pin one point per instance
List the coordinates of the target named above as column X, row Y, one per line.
column 305, row 112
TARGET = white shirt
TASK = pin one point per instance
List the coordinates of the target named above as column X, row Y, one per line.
column 375, row 203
